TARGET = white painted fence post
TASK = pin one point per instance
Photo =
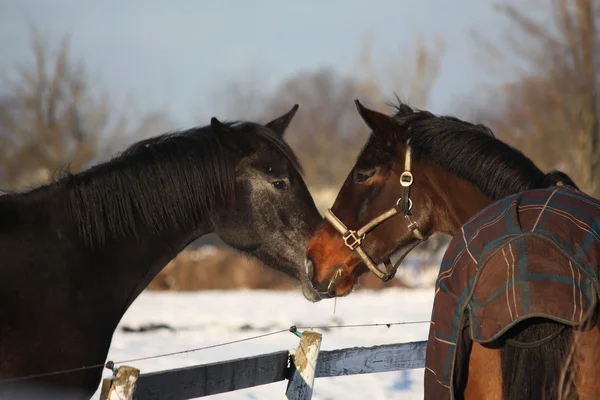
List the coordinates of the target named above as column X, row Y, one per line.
column 121, row 386
column 305, row 361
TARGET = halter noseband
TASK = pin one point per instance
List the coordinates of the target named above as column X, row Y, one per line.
column 353, row 239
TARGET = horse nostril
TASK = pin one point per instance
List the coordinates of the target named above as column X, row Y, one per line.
column 310, row 268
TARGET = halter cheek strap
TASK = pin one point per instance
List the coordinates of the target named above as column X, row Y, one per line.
column 353, row 239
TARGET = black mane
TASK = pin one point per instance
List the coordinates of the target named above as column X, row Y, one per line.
column 470, row 151
column 158, row 181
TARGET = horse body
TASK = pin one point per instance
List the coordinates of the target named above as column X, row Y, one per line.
column 76, row 253
column 52, row 316
column 57, row 317
column 459, row 169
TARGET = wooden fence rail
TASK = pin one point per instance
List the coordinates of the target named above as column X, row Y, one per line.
column 299, row 367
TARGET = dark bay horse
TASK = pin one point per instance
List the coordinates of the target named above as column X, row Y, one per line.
column 76, row 253
column 419, row 174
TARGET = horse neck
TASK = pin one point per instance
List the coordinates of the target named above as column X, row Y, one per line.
column 137, row 260
column 129, row 261
column 145, row 256
column 454, row 200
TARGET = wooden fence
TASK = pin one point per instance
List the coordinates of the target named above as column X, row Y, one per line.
column 299, row 368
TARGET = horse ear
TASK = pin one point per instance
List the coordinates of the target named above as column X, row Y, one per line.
column 219, row 127
column 381, row 124
column 279, row 125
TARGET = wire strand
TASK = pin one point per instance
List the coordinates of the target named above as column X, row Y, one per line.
column 79, row 369
column 202, row 348
column 389, row 324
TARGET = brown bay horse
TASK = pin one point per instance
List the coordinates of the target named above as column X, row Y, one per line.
column 420, row 174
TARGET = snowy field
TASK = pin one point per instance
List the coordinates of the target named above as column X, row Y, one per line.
column 212, row 317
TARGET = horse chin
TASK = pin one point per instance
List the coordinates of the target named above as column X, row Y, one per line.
column 309, row 293
column 345, row 291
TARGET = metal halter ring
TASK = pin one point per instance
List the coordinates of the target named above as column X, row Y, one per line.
column 409, row 179
column 409, row 202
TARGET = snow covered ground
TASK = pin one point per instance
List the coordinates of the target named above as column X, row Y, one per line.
column 213, row 317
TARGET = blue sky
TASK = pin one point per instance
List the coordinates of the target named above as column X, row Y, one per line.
column 172, row 55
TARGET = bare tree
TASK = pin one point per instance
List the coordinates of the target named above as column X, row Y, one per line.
column 51, row 116
column 409, row 74
column 550, row 109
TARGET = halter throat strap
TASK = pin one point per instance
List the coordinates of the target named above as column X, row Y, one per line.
column 353, row 239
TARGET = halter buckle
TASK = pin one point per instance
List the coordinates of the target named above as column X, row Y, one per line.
column 406, row 179
column 352, row 240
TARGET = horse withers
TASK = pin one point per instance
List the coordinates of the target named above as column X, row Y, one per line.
column 420, row 174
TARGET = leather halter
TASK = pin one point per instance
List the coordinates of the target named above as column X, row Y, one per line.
column 353, row 239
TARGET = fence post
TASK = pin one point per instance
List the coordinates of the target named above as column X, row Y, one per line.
column 300, row 386
column 121, row 386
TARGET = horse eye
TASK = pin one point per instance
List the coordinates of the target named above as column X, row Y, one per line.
column 363, row 176
column 281, row 185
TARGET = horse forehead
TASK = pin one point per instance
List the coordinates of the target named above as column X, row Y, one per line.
column 269, row 141
column 263, row 150
column 373, row 154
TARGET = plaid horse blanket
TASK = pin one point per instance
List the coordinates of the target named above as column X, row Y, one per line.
column 536, row 253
